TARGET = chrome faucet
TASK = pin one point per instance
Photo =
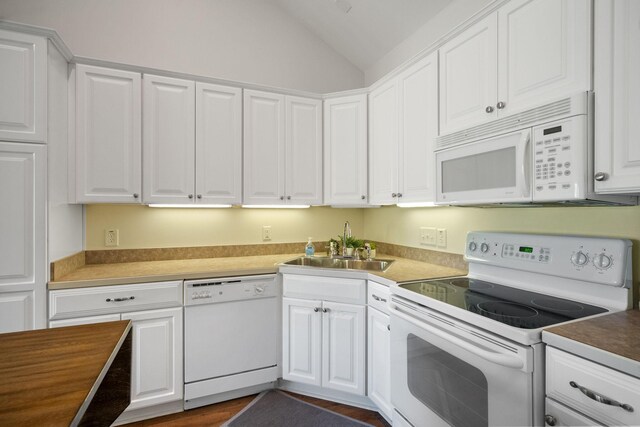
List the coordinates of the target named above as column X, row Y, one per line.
column 346, row 232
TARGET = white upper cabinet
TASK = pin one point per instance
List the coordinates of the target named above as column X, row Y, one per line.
column 468, row 76
column 383, row 143
column 345, row 150
column 303, row 151
column 108, row 136
column 403, row 126
column 23, row 87
column 282, row 149
column 617, row 96
column 527, row 53
column 169, row 140
column 23, row 244
column 218, row 144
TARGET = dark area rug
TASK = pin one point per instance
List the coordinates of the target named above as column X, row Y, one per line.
column 275, row 408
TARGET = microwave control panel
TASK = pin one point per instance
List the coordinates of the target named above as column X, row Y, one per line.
column 559, row 159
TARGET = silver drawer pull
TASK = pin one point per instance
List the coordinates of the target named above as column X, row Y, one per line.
column 600, row 398
column 120, row 299
column 377, row 298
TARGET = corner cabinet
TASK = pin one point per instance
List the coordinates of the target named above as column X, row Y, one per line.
column 23, row 260
column 23, row 87
column 282, row 149
column 324, row 326
column 525, row 54
column 345, row 151
column 192, row 142
column 155, row 310
column 107, row 158
column 617, row 96
column 403, row 127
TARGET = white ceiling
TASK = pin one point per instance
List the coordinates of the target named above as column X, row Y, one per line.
column 369, row 30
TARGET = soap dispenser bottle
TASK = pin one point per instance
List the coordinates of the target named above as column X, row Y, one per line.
column 309, row 249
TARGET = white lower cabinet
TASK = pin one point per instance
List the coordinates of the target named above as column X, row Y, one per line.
column 155, row 310
column 379, row 348
column 324, row 341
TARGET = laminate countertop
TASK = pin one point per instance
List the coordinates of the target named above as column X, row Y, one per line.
column 78, row 375
column 401, row 270
column 612, row 340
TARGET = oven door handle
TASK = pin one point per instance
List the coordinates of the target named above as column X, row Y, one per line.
column 500, row 359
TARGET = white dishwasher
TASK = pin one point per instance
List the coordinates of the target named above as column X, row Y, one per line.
column 230, row 338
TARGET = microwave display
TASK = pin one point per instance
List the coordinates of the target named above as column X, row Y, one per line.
column 549, row 131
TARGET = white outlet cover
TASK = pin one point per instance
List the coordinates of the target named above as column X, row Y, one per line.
column 266, row 233
column 442, row 237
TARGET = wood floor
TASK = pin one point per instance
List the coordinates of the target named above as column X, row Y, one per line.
column 215, row 415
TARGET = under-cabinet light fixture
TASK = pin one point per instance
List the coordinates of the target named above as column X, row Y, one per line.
column 276, row 206
column 417, row 205
column 199, row 206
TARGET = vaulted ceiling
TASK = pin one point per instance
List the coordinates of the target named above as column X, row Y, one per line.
column 363, row 31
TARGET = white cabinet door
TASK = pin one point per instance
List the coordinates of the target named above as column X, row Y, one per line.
column 379, row 360
column 108, row 137
column 343, row 347
column 383, row 144
column 218, row 144
column 301, row 340
column 23, row 242
column 84, row 320
column 418, row 127
column 544, row 51
column 617, row 95
column 303, row 151
column 264, row 141
column 156, row 368
column 168, row 140
column 468, row 76
column 345, row 150
column 23, row 87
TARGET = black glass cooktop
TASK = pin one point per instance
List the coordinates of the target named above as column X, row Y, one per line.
column 512, row 306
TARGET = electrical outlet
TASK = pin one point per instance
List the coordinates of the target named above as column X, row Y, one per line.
column 442, row 237
column 266, row 233
column 428, row 236
column 112, row 237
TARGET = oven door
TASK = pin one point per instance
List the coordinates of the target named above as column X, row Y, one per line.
column 448, row 373
column 493, row 170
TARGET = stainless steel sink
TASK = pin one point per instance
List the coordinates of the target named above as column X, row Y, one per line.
column 342, row 263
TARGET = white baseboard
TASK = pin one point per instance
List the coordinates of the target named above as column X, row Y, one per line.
column 332, row 395
column 150, row 412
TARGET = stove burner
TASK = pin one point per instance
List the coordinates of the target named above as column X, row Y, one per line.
column 463, row 283
column 507, row 309
column 557, row 305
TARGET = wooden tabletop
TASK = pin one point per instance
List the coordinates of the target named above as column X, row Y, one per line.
column 49, row 376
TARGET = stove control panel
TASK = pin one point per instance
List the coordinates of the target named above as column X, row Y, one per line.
column 592, row 259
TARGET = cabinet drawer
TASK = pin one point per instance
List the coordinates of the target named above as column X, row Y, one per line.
column 378, row 296
column 351, row 291
column 564, row 368
column 69, row 303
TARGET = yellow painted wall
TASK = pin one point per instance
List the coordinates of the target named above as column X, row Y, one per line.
column 145, row 227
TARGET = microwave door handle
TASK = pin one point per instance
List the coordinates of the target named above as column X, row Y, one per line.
column 500, row 359
column 525, row 164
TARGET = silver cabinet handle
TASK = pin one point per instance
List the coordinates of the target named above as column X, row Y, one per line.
column 288, row 197
column 601, row 176
column 136, row 195
column 489, row 109
column 363, row 197
column 377, row 298
column 388, row 327
column 119, row 299
column 324, row 310
column 394, row 194
column 281, row 197
column 190, row 196
column 600, row 398
column 316, row 309
column 199, row 196
column 399, row 194
column 550, row 420
column 501, row 105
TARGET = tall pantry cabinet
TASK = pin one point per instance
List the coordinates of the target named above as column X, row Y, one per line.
column 31, row 67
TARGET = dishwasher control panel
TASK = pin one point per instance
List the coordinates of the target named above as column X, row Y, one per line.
column 212, row 291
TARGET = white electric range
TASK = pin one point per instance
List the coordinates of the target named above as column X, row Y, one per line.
column 467, row 351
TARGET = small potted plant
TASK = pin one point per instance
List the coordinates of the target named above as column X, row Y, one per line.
column 372, row 245
column 351, row 243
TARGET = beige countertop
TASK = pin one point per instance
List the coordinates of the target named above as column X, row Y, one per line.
column 401, row 270
column 611, row 339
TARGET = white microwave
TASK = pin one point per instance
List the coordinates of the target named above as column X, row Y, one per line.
column 543, row 155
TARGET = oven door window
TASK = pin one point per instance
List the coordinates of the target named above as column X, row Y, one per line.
column 450, row 387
